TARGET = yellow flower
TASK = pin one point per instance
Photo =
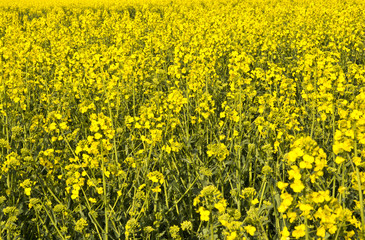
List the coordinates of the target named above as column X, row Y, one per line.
column 291, row 156
column 294, row 154
column 63, row 125
column 341, row 189
column 356, row 161
column 27, row 185
column 282, row 185
column 235, row 133
column 156, row 189
column 58, row 116
column 321, row 232
column 305, row 208
column 98, row 136
column 167, row 148
column 297, row 186
column 332, row 228
column 307, row 162
column 350, row 234
column 100, row 190
column 90, row 139
column 339, row 160
column 285, row 234
column 321, row 196
column 232, row 236
column 156, row 177
column 345, row 145
column 27, row 191
column 304, row 164
column 250, row 229
column 292, row 216
column 287, row 200
column 80, row 225
column 299, row 231
column 308, row 158
column 204, row 214
column 221, row 205
column 52, row 126
column 94, row 127
column 131, row 162
column 153, row 179
column 255, row 201
column 196, row 201
column 186, row 226
column 74, row 195
column 294, row 173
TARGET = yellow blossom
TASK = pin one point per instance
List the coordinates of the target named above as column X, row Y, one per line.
column 285, row 234
column 282, row 185
column 250, row 229
column 339, row 160
column 204, row 214
column 321, row 232
column 232, row 236
column 299, row 231
column 27, row 191
column 297, row 186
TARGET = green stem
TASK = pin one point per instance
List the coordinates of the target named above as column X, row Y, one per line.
column 211, row 228
column 263, row 231
column 306, row 229
column 105, row 201
column 262, row 193
column 359, row 188
column 53, row 222
column 92, row 217
column 187, row 190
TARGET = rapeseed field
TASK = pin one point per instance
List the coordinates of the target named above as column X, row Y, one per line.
column 182, row 119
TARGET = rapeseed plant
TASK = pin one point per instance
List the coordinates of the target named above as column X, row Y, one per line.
column 183, row 120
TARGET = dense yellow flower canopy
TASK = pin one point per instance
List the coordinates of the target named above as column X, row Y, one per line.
column 92, row 3
column 182, row 119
